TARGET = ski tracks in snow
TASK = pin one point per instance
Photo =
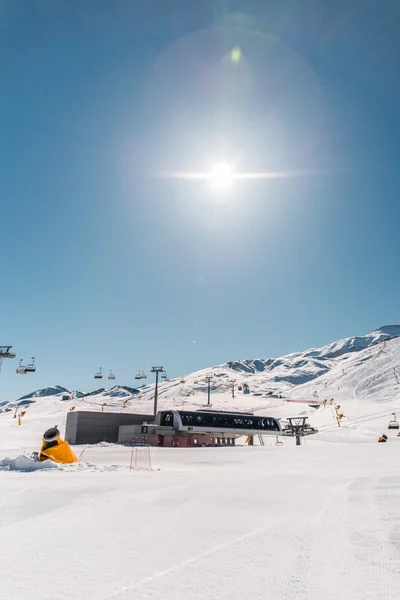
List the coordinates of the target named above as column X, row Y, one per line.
column 244, row 558
column 370, row 376
column 275, row 560
column 353, row 548
column 346, row 543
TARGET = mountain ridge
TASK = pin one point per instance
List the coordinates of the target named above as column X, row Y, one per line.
column 286, row 375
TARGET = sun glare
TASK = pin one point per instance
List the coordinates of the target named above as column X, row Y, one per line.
column 222, row 176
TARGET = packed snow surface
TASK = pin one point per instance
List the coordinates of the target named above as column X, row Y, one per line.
column 306, row 522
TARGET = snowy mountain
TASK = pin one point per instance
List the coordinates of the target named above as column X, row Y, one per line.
column 293, row 373
column 304, row 366
column 121, row 391
column 357, row 368
column 118, row 391
column 47, row 391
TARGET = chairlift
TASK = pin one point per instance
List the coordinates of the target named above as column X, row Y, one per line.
column 99, row 374
column 164, row 376
column 393, row 424
column 21, row 369
column 182, row 380
column 111, row 375
column 31, row 368
column 138, row 376
column 143, row 375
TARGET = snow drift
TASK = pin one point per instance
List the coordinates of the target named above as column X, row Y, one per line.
column 24, row 463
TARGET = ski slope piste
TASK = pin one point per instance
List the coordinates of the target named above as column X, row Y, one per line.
column 278, row 521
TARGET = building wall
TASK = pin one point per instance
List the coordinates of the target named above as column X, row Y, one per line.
column 89, row 427
column 71, row 427
column 167, row 438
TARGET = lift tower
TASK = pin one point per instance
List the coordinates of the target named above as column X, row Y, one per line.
column 5, row 352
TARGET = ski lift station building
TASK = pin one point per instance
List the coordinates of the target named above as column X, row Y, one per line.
column 173, row 428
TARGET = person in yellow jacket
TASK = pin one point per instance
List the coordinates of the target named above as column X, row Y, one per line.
column 56, row 449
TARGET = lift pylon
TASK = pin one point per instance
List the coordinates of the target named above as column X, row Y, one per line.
column 5, row 352
column 298, row 427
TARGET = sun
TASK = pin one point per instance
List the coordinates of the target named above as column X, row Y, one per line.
column 222, row 176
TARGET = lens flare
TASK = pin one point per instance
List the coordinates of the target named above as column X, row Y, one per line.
column 236, row 54
column 222, row 176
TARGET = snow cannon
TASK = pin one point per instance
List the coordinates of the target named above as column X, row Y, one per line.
column 56, row 449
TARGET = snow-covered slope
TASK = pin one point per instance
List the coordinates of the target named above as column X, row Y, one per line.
column 360, row 373
column 340, row 368
column 299, row 522
column 334, row 368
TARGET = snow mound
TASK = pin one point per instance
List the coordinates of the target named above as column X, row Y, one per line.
column 25, row 464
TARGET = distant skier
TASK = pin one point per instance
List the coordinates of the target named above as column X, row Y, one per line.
column 383, row 438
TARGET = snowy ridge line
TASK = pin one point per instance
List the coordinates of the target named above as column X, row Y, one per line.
column 343, row 377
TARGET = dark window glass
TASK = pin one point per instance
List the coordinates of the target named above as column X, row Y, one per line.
column 167, row 419
column 227, row 421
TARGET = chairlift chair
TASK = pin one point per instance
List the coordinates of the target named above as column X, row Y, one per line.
column 111, row 375
column 99, row 374
column 182, row 380
column 138, row 376
column 393, row 424
column 164, row 376
column 31, row 368
column 21, row 369
column 143, row 375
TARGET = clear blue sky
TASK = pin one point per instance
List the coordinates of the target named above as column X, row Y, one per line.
column 106, row 263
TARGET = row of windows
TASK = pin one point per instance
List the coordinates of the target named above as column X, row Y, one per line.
column 193, row 419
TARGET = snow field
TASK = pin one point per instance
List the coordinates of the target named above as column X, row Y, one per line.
column 277, row 522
